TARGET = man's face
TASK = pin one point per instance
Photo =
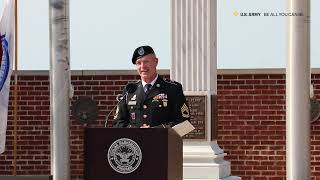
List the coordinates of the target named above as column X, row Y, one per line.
column 147, row 67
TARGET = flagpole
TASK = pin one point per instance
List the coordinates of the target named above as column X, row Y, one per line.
column 59, row 89
column 297, row 92
column 15, row 110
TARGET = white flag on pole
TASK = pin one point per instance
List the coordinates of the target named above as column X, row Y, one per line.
column 6, row 61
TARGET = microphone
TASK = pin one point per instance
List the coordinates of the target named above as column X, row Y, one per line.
column 130, row 88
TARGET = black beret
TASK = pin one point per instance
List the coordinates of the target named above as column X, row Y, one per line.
column 140, row 52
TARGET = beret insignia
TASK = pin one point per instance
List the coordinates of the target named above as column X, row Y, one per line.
column 141, row 51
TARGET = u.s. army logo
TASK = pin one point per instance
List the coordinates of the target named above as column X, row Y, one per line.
column 124, row 156
column 185, row 111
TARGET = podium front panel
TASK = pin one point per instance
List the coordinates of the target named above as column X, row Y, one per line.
column 152, row 142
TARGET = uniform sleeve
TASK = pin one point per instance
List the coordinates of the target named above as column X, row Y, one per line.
column 181, row 110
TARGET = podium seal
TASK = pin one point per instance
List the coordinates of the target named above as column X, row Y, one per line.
column 124, row 156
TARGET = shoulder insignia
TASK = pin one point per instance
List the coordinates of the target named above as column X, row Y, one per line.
column 138, row 81
column 185, row 111
column 171, row 81
column 117, row 113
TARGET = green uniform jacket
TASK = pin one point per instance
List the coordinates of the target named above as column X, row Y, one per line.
column 165, row 105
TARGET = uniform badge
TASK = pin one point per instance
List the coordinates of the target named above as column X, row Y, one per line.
column 161, row 96
column 158, row 85
column 133, row 116
column 134, row 97
column 132, row 103
column 185, row 111
column 165, row 102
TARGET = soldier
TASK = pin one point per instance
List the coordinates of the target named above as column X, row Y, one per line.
column 152, row 101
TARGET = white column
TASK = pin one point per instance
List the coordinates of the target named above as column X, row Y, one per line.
column 298, row 93
column 59, row 89
column 193, row 41
column 194, row 64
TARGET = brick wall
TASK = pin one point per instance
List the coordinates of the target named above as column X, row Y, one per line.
column 251, row 115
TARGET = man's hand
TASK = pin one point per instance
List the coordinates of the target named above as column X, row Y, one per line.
column 145, row 126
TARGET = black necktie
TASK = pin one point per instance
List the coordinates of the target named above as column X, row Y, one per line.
column 148, row 87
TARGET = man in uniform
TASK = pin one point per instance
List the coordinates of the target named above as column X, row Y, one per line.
column 154, row 101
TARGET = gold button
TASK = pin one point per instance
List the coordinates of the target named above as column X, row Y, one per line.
column 145, row 116
column 145, row 106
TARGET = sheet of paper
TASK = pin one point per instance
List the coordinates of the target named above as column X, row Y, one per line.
column 183, row 128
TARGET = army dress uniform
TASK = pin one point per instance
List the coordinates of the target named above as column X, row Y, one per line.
column 164, row 105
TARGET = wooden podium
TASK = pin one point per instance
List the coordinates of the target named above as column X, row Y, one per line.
column 133, row 153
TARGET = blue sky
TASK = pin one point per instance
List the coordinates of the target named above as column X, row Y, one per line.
column 104, row 33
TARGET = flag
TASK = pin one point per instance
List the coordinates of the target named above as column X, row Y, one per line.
column 6, row 60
